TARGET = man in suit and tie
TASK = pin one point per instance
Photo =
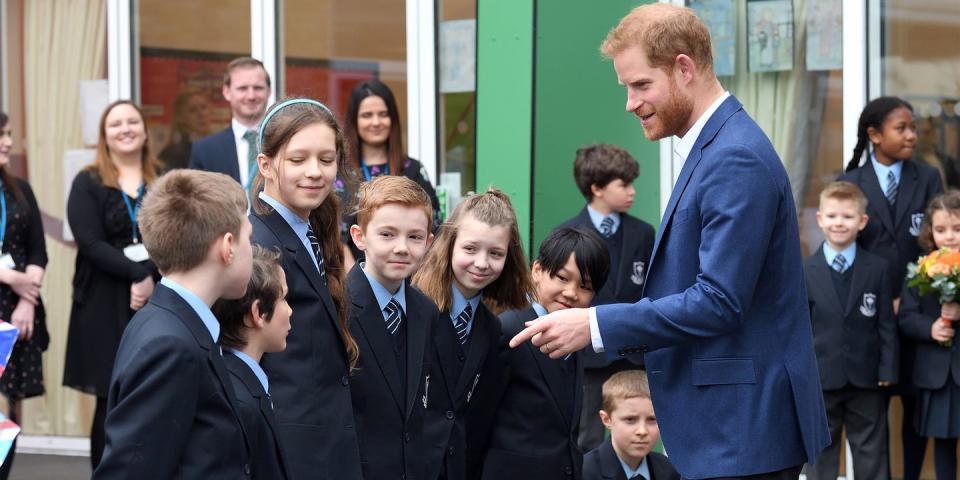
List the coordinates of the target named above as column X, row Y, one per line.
column 233, row 151
column 724, row 326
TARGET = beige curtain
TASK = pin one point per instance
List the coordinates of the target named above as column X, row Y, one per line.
column 64, row 42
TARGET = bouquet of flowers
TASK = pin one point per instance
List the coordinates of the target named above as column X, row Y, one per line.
column 939, row 273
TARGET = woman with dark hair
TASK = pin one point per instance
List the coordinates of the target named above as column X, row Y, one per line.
column 374, row 147
column 114, row 276
column 23, row 258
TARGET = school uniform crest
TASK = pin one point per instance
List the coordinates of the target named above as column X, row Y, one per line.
column 638, row 270
column 916, row 221
column 869, row 305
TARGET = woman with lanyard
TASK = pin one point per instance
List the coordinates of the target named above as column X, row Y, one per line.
column 374, row 147
column 23, row 257
column 114, row 276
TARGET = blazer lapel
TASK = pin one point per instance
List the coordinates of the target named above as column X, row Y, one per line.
column 729, row 106
column 552, row 376
column 253, row 385
column 626, row 257
column 610, row 467
column 906, row 190
column 229, row 149
column 479, row 337
column 295, row 247
column 820, row 272
column 876, row 196
column 417, row 332
column 448, row 346
column 857, row 284
column 370, row 320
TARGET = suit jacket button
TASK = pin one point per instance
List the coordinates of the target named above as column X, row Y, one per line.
column 568, row 471
column 450, row 451
column 406, row 437
column 449, row 414
column 344, row 380
column 246, row 469
column 462, row 358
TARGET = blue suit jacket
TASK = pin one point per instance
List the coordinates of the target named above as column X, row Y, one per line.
column 724, row 324
column 216, row 153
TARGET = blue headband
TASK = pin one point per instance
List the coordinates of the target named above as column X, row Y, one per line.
column 277, row 108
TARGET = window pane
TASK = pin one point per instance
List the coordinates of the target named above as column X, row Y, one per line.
column 185, row 47
column 457, row 98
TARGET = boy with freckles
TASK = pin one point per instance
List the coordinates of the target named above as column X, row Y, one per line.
column 628, row 414
column 390, row 320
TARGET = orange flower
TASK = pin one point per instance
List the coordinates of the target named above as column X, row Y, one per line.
column 949, row 258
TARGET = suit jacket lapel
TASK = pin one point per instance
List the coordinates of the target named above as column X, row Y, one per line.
column 295, row 247
column 417, row 333
column 906, row 190
column 371, row 323
column 729, row 106
column 253, row 385
column 479, row 336
column 875, row 196
column 229, row 149
column 448, row 346
column 822, row 279
column 610, row 467
column 857, row 284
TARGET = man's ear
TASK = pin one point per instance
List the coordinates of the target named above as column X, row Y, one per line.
column 686, row 68
column 356, row 234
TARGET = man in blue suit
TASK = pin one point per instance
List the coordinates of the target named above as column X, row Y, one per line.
column 724, row 326
column 233, row 151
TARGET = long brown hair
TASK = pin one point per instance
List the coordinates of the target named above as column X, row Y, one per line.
column 395, row 154
column 512, row 289
column 8, row 181
column 281, row 126
column 104, row 168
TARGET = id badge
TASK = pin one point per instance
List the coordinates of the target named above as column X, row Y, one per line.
column 136, row 252
column 6, row 261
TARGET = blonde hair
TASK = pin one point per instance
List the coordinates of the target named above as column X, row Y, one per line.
column 391, row 189
column 509, row 291
column 843, row 190
column 663, row 31
column 185, row 212
column 283, row 124
column 104, row 168
column 624, row 385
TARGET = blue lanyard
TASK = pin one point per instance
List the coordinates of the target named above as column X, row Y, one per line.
column 366, row 170
column 131, row 209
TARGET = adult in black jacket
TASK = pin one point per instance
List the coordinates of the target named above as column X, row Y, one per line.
column 372, row 132
column 109, row 285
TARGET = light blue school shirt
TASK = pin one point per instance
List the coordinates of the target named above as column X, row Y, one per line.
column 850, row 253
column 383, row 295
column 642, row 469
column 257, row 370
column 202, row 309
column 882, row 170
column 539, row 309
column 459, row 303
column 597, row 218
column 299, row 225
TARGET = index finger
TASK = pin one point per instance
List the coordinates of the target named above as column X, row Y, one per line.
column 527, row 333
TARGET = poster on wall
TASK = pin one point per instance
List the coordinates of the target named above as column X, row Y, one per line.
column 720, row 17
column 824, row 35
column 770, row 35
column 181, row 94
column 458, row 56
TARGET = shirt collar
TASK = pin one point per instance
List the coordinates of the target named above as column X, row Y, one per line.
column 202, row 309
column 642, row 469
column 298, row 224
column 383, row 295
column 882, row 170
column 849, row 254
column 683, row 145
column 255, row 367
column 239, row 129
column 460, row 302
column 539, row 309
column 597, row 218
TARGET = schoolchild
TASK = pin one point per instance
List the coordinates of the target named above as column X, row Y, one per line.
column 854, row 333
column 301, row 149
column 391, row 321
column 898, row 191
column 250, row 326
column 170, row 405
column 604, row 175
column 476, row 267
column 538, row 407
column 936, row 368
column 628, row 414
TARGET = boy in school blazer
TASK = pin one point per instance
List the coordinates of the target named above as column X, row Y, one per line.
column 854, row 334
column 604, row 175
column 170, row 407
column 391, row 322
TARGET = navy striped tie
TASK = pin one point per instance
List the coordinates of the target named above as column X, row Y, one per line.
column 315, row 244
column 839, row 263
column 394, row 316
column 606, row 227
column 892, row 188
column 461, row 324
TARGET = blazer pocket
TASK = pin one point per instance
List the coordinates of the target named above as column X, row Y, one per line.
column 723, row 371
